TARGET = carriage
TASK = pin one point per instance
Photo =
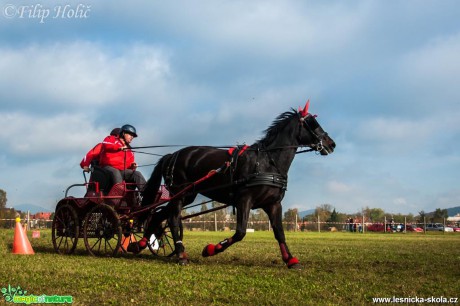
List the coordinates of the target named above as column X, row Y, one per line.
column 106, row 218
column 112, row 219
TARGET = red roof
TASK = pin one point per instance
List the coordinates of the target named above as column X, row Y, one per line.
column 41, row 215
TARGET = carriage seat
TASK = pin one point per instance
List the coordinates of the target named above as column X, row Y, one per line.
column 103, row 177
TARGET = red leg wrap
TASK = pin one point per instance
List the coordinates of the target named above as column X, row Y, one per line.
column 209, row 250
column 143, row 243
column 183, row 255
column 292, row 261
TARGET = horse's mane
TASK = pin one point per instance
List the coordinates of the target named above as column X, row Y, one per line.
column 277, row 125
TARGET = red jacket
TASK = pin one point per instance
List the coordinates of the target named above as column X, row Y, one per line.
column 92, row 154
column 112, row 156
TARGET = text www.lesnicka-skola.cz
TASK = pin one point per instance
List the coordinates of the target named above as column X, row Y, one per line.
column 41, row 13
column 416, row 300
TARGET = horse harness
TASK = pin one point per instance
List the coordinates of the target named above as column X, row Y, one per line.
column 257, row 178
column 252, row 180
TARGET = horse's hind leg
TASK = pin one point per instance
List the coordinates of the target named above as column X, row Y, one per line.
column 274, row 213
column 242, row 215
column 153, row 226
column 175, row 224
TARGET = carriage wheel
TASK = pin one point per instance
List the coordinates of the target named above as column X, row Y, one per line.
column 163, row 246
column 65, row 229
column 102, row 231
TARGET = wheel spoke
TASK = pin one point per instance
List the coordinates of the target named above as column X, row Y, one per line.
column 66, row 244
column 97, row 241
column 107, row 243
column 60, row 218
column 60, row 241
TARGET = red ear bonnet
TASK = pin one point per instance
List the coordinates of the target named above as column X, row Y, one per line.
column 304, row 112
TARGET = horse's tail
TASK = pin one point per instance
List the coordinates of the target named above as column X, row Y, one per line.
column 154, row 182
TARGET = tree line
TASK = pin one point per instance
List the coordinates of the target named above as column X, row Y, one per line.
column 328, row 213
column 225, row 218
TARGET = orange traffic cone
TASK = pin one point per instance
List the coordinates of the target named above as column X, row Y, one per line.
column 21, row 244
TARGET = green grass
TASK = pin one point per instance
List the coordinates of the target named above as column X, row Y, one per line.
column 338, row 269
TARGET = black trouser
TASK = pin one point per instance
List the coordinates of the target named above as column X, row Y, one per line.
column 130, row 176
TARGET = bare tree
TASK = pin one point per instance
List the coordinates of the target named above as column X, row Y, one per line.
column 290, row 216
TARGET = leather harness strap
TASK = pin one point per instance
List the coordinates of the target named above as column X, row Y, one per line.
column 267, row 179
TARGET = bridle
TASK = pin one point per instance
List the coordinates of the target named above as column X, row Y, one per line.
column 318, row 145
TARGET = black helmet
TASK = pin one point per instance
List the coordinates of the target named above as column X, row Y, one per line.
column 127, row 128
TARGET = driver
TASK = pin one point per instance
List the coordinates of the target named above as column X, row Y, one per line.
column 117, row 158
column 92, row 157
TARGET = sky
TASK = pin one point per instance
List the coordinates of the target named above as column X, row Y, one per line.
column 382, row 76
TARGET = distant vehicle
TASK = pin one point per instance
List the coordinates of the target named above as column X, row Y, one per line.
column 376, row 227
column 456, row 229
column 379, row 227
column 438, row 227
column 414, row 228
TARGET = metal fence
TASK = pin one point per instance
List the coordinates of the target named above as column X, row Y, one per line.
column 230, row 225
column 32, row 224
column 310, row 226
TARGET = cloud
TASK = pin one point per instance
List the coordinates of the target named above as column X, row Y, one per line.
column 404, row 135
column 430, row 73
column 46, row 136
column 338, row 187
column 79, row 75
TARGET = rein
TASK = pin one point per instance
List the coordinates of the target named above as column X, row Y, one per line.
column 313, row 147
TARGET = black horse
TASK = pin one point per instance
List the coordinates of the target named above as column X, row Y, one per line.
column 255, row 178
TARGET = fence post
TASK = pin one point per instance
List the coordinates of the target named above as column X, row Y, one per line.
column 385, row 225
column 424, row 225
column 405, row 224
column 215, row 222
column 295, row 225
column 319, row 225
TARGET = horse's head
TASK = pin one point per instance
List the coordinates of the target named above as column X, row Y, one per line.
column 312, row 134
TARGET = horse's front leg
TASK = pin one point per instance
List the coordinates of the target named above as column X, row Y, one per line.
column 274, row 213
column 242, row 216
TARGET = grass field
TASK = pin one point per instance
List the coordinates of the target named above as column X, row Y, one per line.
column 338, row 269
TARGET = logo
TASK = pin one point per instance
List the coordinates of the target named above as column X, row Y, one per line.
column 18, row 295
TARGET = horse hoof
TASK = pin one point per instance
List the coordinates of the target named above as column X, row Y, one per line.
column 182, row 262
column 135, row 248
column 296, row 266
column 182, row 259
